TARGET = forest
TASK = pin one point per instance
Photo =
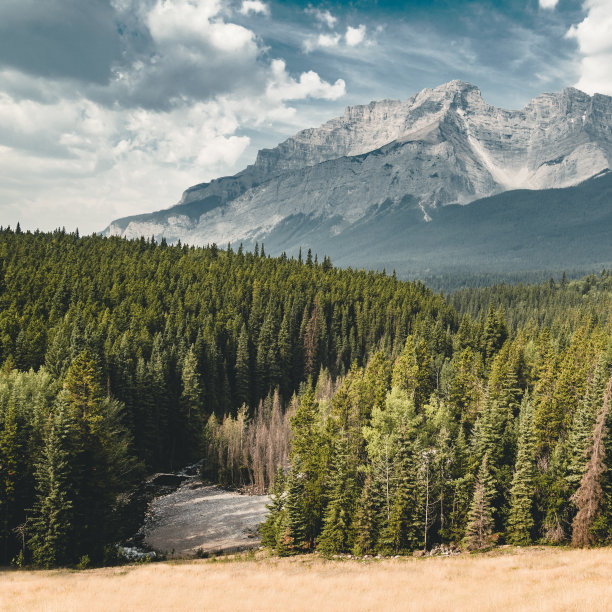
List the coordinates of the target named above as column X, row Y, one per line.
column 383, row 418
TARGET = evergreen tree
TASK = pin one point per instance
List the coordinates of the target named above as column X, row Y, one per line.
column 308, row 461
column 368, row 516
column 580, row 436
column 292, row 535
column 495, row 332
column 337, row 522
column 403, row 529
column 243, row 375
column 52, row 520
column 10, row 450
column 192, row 408
column 411, row 371
column 520, row 522
column 271, row 527
column 480, row 519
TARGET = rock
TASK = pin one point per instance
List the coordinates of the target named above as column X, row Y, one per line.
column 131, row 553
column 167, row 480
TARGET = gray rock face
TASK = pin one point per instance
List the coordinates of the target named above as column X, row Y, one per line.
column 442, row 146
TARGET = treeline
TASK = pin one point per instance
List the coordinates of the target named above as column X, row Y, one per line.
column 452, row 281
column 507, row 442
column 170, row 339
column 383, row 417
column 559, row 305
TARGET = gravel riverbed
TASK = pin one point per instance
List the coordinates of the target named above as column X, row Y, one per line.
column 198, row 517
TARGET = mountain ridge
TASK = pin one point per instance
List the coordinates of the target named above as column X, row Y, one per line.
column 440, row 147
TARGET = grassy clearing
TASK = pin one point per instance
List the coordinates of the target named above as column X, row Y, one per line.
column 525, row 579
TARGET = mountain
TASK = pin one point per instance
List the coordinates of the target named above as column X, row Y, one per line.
column 386, row 185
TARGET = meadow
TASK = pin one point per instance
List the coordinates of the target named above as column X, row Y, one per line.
column 508, row 579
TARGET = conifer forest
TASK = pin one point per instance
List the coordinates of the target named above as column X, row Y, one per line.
column 381, row 417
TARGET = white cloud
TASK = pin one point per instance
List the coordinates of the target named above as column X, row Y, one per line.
column 109, row 162
column 548, row 4
column 321, row 41
column 594, row 37
column 355, row 36
column 82, row 156
column 322, row 16
column 184, row 22
column 310, row 85
column 254, row 6
column 352, row 38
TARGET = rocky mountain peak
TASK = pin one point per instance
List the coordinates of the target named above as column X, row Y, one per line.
column 442, row 146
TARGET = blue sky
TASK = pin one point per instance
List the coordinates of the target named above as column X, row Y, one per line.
column 114, row 107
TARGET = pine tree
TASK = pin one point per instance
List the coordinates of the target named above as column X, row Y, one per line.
column 580, row 435
column 84, row 391
column 547, row 415
column 337, row 521
column 52, row 518
column 10, row 449
column 368, row 515
column 243, row 368
column 480, row 518
column 102, row 467
column 411, row 371
column 285, row 353
column 307, row 473
column 191, row 407
column 462, row 485
column 271, row 527
column 464, row 393
column 495, row 332
column 520, row 521
column 292, row 535
column 376, row 383
column 404, row 527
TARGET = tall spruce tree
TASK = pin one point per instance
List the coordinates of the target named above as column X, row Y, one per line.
column 403, row 530
column 369, row 516
column 520, row 521
column 192, row 408
column 480, row 518
column 293, row 536
column 243, row 369
column 337, row 533
column 308, row 464
column 52, row 521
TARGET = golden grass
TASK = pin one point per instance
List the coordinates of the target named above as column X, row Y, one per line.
column 528, row 579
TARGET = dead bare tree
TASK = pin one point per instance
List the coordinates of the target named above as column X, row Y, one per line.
column 589, row 495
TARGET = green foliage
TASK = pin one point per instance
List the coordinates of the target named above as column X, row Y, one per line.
column 271, row 528
column 480, row 524
column 53, row 518
column 336, row 535
column 520, row 521
column 386, row 418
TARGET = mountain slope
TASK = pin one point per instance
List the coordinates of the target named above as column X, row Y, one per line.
column 397, row 163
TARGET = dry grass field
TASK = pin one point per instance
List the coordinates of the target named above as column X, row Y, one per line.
column 529, row 579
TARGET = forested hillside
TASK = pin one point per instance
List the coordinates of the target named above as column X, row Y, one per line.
column 115, row 354
column 502, row 437
column 384, row 418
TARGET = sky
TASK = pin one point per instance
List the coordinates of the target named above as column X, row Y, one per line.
column 110, row 108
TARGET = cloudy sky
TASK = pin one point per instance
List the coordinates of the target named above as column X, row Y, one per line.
column 113, row 107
